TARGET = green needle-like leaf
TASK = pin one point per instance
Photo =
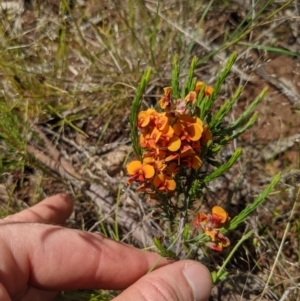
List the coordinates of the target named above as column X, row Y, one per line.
column 225, row 108
column 135, row 108
column 188, row 86
column 224, row 167
column 251, row 207
column 175, row 78
column 244, row 117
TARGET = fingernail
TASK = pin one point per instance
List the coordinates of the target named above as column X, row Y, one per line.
column 196, row 276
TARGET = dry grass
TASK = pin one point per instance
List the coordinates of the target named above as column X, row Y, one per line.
column 68, row 74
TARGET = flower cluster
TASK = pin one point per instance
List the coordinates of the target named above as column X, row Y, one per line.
column 170, row 140
column 211, row 224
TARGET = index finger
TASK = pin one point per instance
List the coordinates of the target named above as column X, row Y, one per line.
column 65, row 259
column 55, row 209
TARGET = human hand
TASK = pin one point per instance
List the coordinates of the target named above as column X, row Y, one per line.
column 37, row 260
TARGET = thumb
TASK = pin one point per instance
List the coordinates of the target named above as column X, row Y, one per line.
column 184, row 280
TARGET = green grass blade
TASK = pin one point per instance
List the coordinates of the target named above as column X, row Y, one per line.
column 270, row 49
column 238, row 30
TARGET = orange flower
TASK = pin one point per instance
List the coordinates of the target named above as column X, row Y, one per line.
column 195, row 145
column 172, row 156
column 172, row 169
column 158, row 164
column 146, row 118
column 189, row 133
column 186, row 150
column 144, row 140
column 206, row 135
column 154, row 136
column 201, row 219
column 219, row 216
column 167, row 133
column 210, row 224
column 174, row 144
column 139, row 171
column 164, row 183
column 208, row 90
column 161, row 122
column 223, row 240
column 192, row 161
column 149, row 160
column 143, row 119
column 191, row 97
column 169, row 136
column 150, row 140
column 219, row 242
column 180, row 106
column 188, row 128
column 212, row 233
column 166, row 100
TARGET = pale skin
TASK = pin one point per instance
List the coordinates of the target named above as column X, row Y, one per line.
column 38, row 258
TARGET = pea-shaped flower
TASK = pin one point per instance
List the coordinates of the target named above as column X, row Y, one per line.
column 139, row 171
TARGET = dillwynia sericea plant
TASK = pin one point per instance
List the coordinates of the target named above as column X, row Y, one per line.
column 171, row 142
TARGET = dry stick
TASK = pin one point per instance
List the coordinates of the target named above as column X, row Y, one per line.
column 278, row 84
column 179, row 235
column 58, row 162
column 274, row 149
column 111, row 181
column 95, row 151
column 251, row 32
column 141, row 223
column 292, row 173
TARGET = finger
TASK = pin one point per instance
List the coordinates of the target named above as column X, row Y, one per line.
column 180, row 281
column 33, row 294
column 57, row 258
column 3, row 293
column 55, row 210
